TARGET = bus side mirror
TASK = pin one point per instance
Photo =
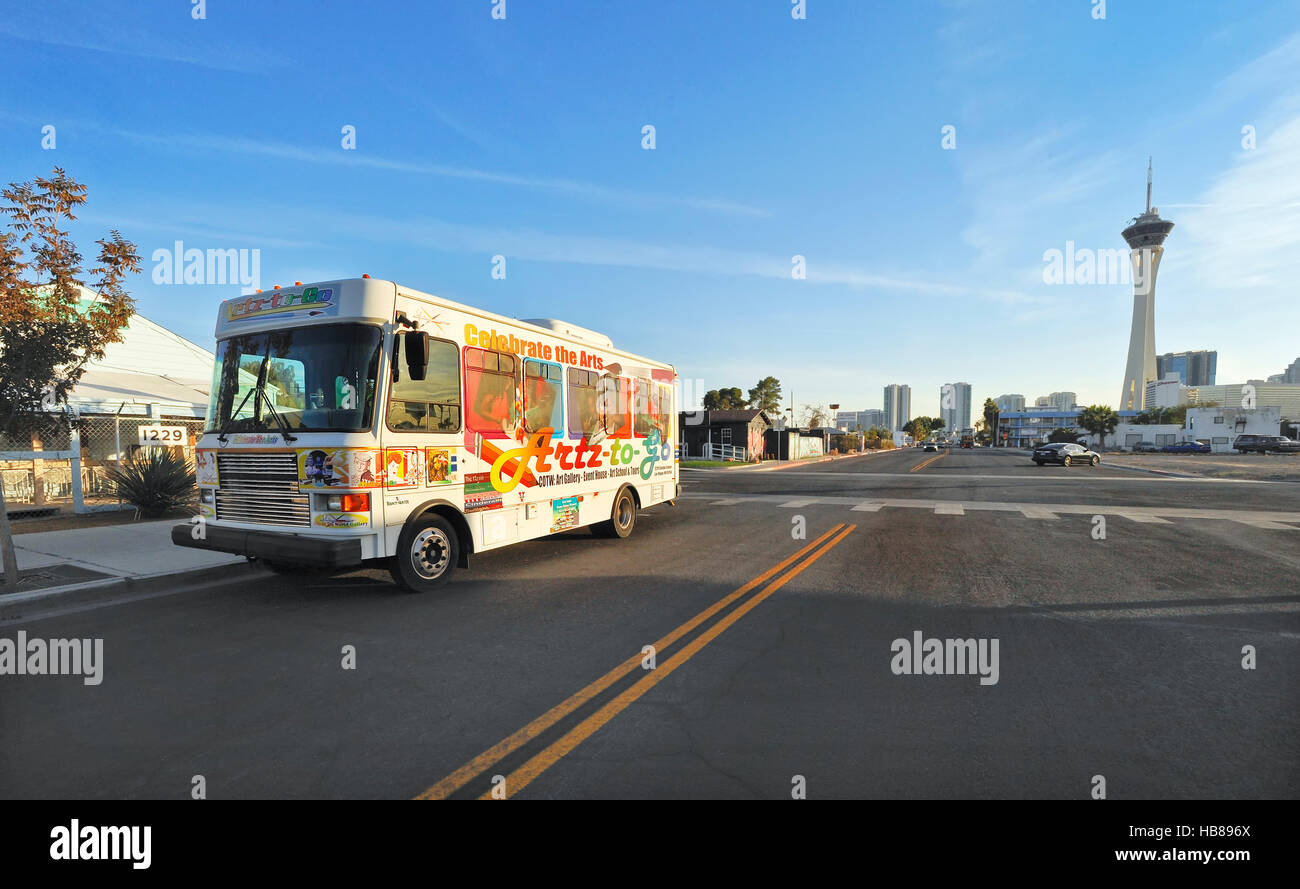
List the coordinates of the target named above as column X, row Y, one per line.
column 416, row 348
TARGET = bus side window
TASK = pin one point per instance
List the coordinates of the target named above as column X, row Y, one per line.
column 543, row 402
column 492, row 392
column 645, row 398
column 431, row 404
column 664, row 412
column 584, row 419
column 613, row 406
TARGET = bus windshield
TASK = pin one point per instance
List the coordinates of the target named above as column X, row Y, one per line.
column 317, row 379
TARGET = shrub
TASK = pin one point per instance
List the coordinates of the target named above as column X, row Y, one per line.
column 156, row 484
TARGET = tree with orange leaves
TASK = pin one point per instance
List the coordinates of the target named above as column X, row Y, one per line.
column 47, row 334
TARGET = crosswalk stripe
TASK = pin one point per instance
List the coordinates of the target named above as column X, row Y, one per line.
column 1265, row 519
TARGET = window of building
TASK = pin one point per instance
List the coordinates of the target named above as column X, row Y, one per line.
column 431, row 404
column 492, row 394
column 724, row 435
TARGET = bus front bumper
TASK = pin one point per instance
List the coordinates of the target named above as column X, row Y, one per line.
column 272, row 546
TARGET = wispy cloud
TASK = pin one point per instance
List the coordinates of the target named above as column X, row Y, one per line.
column 359, row 159
column 1246, row 234
column 604, row 251
column 75, row 30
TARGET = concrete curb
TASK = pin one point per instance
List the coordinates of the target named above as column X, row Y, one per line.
column 1163, row 472
column 773, row 465
column 14, row 605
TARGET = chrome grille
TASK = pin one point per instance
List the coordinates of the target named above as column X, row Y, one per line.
column 261, row 488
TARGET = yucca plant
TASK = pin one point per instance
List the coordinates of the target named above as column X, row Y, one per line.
column 154, row 485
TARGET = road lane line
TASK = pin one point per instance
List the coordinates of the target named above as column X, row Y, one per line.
column 1145, row 519
column 1037, row 512
column 799, row 504
column 948, row 509
column 918, row 467
column 529, row 771
column 1267, row 525
column 498, row 751
column 868, row 506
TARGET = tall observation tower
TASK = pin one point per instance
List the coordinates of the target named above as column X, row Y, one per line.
column 1146, row 237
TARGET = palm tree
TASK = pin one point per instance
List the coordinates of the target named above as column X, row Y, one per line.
column 1099, row 419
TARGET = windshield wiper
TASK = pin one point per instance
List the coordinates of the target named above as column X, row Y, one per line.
column 279, row 421
column 234, row 415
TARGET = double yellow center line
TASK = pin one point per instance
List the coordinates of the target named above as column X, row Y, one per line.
column 532, row 768
column 918, row 467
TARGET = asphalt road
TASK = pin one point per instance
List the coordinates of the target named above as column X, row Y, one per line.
column 1118, row 657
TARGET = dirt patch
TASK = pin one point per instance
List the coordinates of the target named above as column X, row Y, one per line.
column 1256, row 467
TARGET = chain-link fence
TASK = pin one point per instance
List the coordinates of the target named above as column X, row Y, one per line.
column 66, row 470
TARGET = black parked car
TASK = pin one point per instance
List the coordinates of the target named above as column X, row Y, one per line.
column 1066, row 455
column 1262, row 444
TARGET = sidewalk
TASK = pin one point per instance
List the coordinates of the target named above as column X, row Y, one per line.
column 55, row 562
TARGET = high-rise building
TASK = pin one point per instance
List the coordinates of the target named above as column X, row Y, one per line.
column 851, row 420
column 1290, row 375
column 1059, row 401
column 1063, row 401
column 1008, row 403
column 898, row 406
column 871, row 418
column 954, row 406
column 1193, row 368
column 1145, row 237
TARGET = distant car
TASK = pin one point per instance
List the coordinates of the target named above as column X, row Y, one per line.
column 1065, row 454
column 1186, row 447
column 1260, row 444
column 1145, row 447
column 931, row 446
column 1285, row 446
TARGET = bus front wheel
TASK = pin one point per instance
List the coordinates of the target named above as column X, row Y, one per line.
column 622, row 518
column 427, row 553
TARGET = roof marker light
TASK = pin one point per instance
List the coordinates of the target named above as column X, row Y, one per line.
column 277, row 286
column 365, row 276
column 297, row 283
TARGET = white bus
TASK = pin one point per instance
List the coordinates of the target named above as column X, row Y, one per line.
column 360, row 422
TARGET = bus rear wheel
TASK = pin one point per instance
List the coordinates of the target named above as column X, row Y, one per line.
column 622, row 518
column 427, row 552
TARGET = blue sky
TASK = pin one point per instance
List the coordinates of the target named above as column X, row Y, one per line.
column 775, row 137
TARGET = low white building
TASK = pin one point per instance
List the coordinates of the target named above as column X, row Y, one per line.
column 151, row 377
column 1126, row 435
column 1219, row 426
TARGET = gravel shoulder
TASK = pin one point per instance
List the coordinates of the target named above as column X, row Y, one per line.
column 1260, row 467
